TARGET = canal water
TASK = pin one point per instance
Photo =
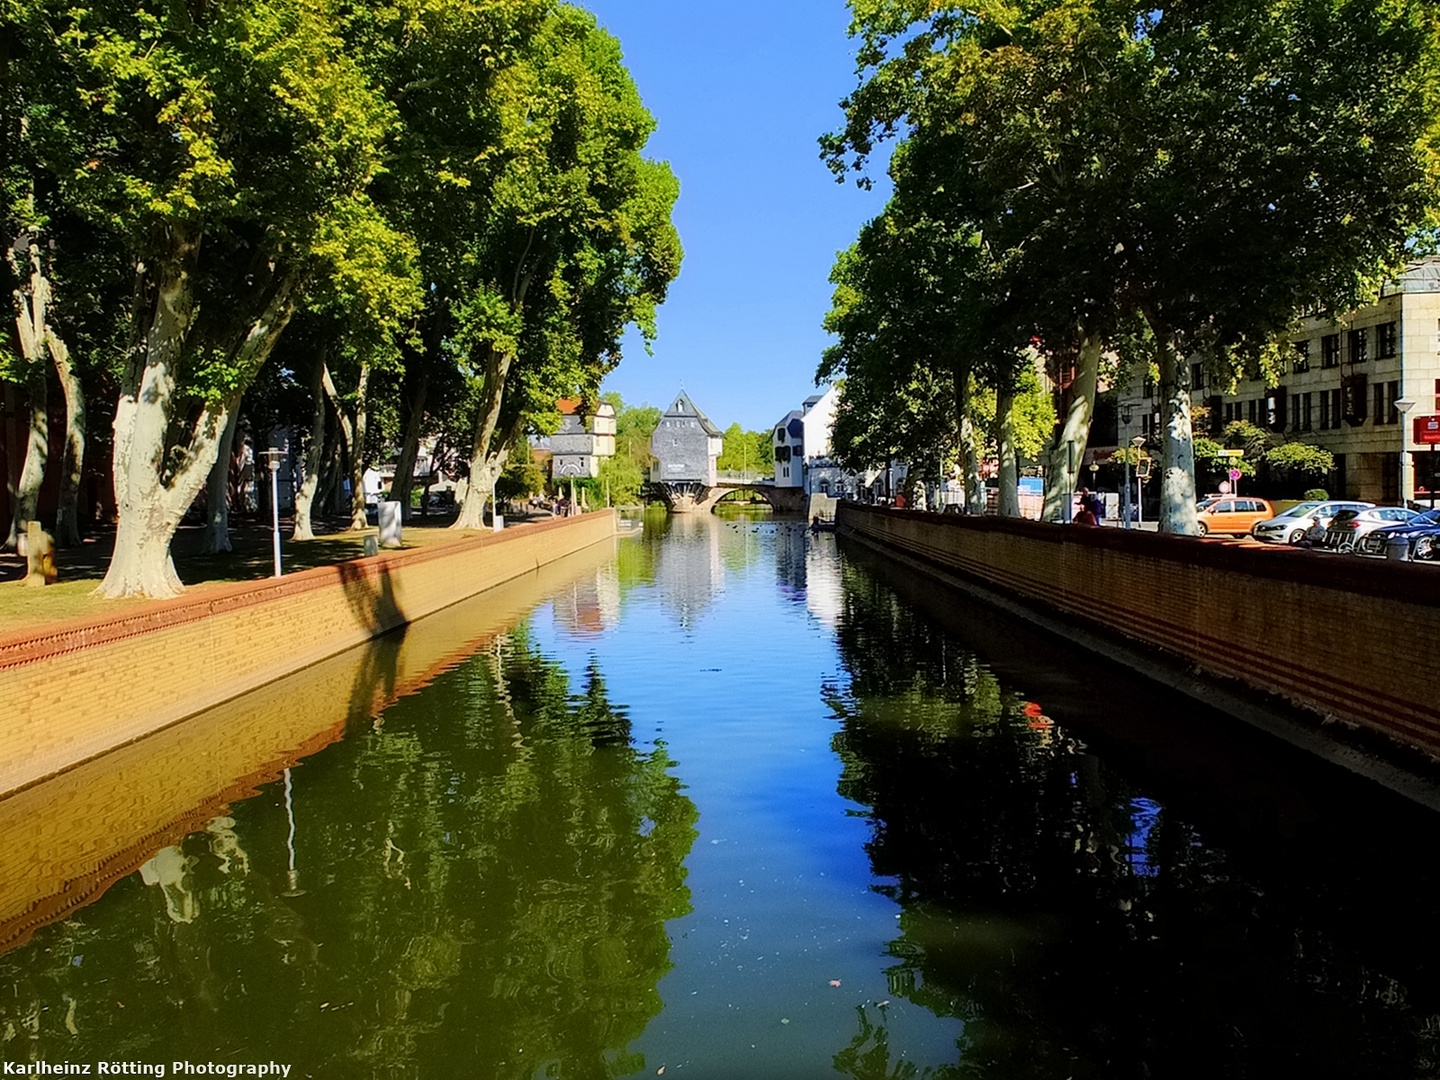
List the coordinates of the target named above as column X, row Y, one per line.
column 745, row 802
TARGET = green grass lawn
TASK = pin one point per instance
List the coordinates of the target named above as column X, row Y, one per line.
column 81, row 569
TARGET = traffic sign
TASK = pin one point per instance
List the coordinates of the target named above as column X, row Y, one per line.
column 1427, row 430
column 1235, row 474
column 1224, row 487
column 1229, row 453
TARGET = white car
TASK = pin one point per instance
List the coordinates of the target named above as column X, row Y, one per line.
column 1290, row 527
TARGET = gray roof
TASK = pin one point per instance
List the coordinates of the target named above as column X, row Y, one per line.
column 683, row 406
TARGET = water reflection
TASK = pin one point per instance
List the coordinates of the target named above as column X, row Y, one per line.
column 1075, row 922
column 477, row 886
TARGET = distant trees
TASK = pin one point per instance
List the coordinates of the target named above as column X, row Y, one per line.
column 1185, row 179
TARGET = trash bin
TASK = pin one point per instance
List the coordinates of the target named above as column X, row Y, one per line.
column 388, row 515
column 1397, row 548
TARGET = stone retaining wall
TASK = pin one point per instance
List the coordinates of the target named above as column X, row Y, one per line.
column 1341, row 637
column 79, row 689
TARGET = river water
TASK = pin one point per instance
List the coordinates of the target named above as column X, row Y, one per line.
column 743, row 802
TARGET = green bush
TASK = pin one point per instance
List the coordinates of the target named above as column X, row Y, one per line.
column 1316, row 493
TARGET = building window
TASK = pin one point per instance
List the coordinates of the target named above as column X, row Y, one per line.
column 1380, row 416
column 1307, row 407
column 1330, row 351
column 1254, row 410
column 1335, row 407
column 1149, row 388
column 1197, row 376
column 1302, row 355
column 1437, row 395
column 1387, row 340
column 1359, row 346
column 1392, row 392
column 1324, row 410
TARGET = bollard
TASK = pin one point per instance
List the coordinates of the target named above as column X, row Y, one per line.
column 39, row 556
column 372, row 545
column 1397, row 549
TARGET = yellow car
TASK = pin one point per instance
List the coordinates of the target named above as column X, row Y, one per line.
column 1231, row 514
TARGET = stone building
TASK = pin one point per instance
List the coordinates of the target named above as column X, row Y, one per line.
column 584, row 437
column 1339, row 390
column 685, row 445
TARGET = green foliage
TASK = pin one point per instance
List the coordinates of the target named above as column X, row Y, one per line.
column 1315, row 493
column 522, row 477
column 746, row 451
column 1301, row 461
column 1059, row 137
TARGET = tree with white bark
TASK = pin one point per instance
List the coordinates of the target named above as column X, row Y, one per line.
column 228, row 150
column 1211, row 168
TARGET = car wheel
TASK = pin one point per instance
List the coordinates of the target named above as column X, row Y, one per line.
column 1204, row 529
column 1425, row 547
column 1296, row 535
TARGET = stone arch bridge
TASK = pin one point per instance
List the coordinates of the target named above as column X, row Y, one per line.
column 692, row 496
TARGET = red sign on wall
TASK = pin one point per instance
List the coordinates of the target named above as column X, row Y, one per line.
column 1427, row 430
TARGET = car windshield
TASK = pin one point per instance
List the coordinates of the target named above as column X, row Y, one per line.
column 1343, row 516
column 1431, row 517
column 1301, row 510
column 1203, row 503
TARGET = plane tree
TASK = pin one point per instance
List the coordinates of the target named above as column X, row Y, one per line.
column 1211, row 168
column 226, row 149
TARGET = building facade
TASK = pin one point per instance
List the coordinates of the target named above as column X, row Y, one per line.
column 1339, row 391
column 583, row 439
column 685, row 445
column 801, row 444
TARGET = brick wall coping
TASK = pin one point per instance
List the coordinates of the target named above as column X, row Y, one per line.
column 29, row 646
column 1278, row 562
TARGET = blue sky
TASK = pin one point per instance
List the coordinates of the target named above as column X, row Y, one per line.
column 741, row 91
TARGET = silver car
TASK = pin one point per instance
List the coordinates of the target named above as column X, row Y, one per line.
column 1348, row 526
column 1290, row 527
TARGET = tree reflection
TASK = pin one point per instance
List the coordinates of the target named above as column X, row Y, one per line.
column 1073, row 923
column 482, row 887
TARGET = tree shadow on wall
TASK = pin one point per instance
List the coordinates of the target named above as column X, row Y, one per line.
column 369, row 591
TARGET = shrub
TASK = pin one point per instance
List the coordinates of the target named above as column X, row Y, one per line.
column 1316, row 493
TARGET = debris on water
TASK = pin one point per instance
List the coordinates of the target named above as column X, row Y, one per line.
column 834, row 982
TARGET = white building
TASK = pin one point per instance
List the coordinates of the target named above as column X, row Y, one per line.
column 582, row 440
column 801, row 442
column 1339, row 391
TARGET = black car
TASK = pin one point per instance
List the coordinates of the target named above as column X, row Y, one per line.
column 1422, row 532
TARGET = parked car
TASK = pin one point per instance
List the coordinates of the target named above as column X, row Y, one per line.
column 1290, row 527
column 1422, row 532
column 1348, row 526
column 1231, row 514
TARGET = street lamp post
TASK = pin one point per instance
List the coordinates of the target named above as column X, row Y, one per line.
column 1407, row 490
column 272, row 458
column 1127, row 411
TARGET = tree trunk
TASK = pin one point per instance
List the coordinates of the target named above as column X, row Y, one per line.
column 32, row 331
column 352, row 433
column 314, row 458
column 1067, row 445
column 1007, row 503
column 404, row 480
column 1177, row 453
column 155, row 481
column 217, row 490
column 67, row 512
column 485, row 465
column 37, row 452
